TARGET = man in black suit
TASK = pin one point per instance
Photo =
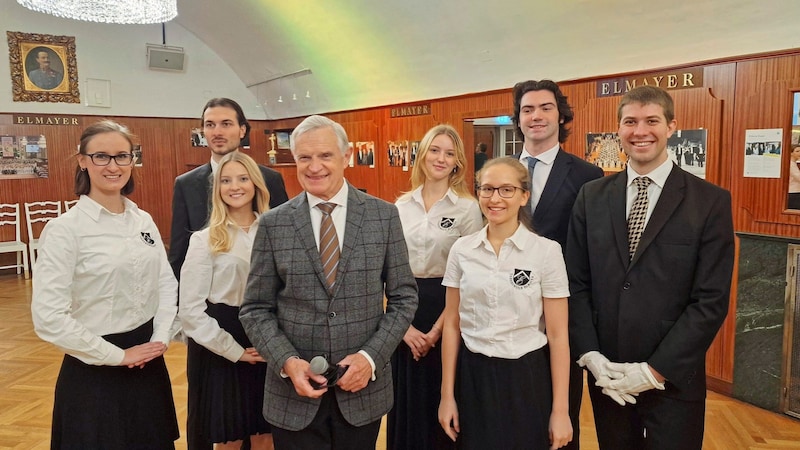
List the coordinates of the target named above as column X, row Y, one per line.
column 541, row 113
column 651, row 256
column 225, row 126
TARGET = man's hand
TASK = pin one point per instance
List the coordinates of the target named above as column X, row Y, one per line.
column 637, row 378
column 358, row 374
column 598, row 365
column 299, row 371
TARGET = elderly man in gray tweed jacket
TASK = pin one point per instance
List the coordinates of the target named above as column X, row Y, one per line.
column 303, row 301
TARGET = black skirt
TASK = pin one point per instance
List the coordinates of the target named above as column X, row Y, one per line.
column 504, row 403
column 226, row 399
column 114, row 407
column 413, row 422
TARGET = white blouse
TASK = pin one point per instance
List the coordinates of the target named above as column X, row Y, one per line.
column 100, row 273
column 430, row 234
column 219, row 278
column 500, row 305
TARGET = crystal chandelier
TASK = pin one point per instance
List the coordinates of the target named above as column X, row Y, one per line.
column 107, row 11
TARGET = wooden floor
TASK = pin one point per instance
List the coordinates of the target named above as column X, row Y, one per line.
column 29, row 366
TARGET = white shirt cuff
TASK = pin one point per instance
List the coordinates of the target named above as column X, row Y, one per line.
column 371, row 362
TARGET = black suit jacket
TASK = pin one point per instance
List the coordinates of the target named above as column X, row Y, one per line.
column 666, row 305
column 191, row 207
column 568, row 175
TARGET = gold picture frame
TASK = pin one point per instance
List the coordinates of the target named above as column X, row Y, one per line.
column 43, row 68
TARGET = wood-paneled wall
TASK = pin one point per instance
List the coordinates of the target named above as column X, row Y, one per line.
column 745, row 93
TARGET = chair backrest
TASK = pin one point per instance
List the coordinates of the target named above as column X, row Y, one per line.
column 69, row 204
column 37, row 214
column 9, row 222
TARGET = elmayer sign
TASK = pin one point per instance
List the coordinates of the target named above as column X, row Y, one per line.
column 683, row 79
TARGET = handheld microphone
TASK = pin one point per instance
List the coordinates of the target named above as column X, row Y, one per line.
column 331, row 372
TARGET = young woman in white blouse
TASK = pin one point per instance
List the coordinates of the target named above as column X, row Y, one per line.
column 505, row 326
column 103, row 292
column 225, row 373
column 438, row 210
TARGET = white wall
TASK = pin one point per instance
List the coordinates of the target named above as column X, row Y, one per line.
column 118, row 53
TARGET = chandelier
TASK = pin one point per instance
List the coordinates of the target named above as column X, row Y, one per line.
column 107, row 11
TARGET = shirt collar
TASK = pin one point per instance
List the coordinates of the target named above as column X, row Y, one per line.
column 518, row 239
column 214, row 165
column 416, row 194
column 659, row 175
column 94, row 209
column 340, row 199
column 546, row 157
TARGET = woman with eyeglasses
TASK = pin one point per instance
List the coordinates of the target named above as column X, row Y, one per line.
column 226, row 374
column 505, row 326
column 438, row 210
column 104, row 293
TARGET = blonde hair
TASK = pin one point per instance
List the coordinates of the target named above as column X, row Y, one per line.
column 457, row 178
column 219, row 238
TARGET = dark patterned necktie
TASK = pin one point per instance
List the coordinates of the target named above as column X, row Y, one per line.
column 636, row 219
column 328, row 244
column 531, row 164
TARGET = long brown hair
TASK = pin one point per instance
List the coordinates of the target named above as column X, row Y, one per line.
column 82, row 182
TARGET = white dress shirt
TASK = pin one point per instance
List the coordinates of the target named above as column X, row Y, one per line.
column 659, row 176
column 540, row 172
column 430, row 234
column 101, row 273
column 500, row 306
column 218, row 278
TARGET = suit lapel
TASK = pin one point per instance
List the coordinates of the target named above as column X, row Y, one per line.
column 352, row 231
column 619, row 223
column 305, row 232
column 558, row 173
column 671, row 196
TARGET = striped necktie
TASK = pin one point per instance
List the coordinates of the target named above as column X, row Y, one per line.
column 638, row 214
column 328, row 244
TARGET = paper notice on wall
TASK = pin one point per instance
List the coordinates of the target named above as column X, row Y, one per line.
column 762, row 153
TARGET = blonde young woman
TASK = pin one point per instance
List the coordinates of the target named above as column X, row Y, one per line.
column 507, row 295
column 104, row 294
column 438, row 210
column 225, row 373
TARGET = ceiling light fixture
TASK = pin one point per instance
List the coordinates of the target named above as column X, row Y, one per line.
column 294, row 96
column 308, row 94
column 280, row 99
column 117, row 11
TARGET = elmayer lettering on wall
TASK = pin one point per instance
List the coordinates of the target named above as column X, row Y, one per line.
column 412, row 110
column 683, row 79
column 37, row 119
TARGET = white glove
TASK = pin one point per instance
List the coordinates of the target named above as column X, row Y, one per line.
column 620, row 397
column 598, row 365
column 638, row 378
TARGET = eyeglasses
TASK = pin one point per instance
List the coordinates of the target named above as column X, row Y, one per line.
column 504, row 191
column 103, row 159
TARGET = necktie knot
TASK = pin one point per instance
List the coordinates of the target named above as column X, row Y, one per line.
column 326, row 208
column 532, row 163
column 642, row 183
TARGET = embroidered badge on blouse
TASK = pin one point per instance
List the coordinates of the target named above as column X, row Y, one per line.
column 148, row 239
column 447, row 222
column 521, row 278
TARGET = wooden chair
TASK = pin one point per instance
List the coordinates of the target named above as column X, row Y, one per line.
column 69, row 204
column 39, row 212
column 11, row 218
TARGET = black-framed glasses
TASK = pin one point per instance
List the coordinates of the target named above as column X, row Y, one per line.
column 504, row 191
column 104, row 159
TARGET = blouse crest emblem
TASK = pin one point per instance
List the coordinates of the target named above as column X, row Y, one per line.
column 147, row 239
column 447, row 222
column 521, row 278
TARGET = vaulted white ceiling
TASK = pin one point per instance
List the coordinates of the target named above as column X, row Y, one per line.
column 364, row 53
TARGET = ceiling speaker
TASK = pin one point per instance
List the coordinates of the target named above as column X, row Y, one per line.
column 161, row 57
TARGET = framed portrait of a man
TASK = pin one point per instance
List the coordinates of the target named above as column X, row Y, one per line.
column 43, row 68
